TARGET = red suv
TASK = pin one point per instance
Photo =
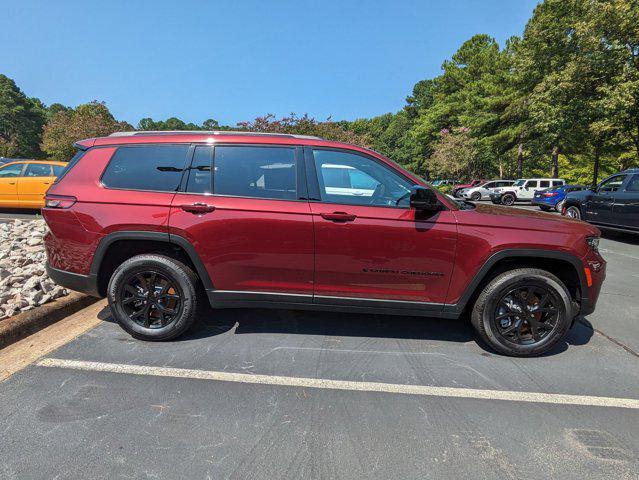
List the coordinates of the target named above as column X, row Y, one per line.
column 159, row 221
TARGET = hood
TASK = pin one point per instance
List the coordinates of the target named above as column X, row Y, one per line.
column 517, row 218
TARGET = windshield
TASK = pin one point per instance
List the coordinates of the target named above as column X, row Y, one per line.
column 519, row 183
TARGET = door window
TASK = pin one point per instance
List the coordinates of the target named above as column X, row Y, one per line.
column 611, row 184
column 556, row 183
column 256, row 172
column 11, row 170
column 544, row 183
column 633, row 186
column 490, row 185
column 531, row 184
column 57, row 170
column 37, row 170
column 199, row 180
column 151, row 167
column 352, row 179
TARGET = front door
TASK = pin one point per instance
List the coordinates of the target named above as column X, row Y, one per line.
column 598, row 208
column 244, row 210
column 369, row 245
column 33, row 184
column 9, row 175
column 528, row 190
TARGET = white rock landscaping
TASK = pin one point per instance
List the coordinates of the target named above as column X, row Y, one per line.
column 24, row 283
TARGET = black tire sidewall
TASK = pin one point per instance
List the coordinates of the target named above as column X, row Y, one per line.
column 499, row 287
column 168, row 267
column 508, row 196
column 475, row 197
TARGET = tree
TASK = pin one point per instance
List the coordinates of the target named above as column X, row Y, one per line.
column 68, row 126
column 455, row 155
column 21, row 121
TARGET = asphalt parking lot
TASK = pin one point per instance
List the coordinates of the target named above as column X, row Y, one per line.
column 287, row 394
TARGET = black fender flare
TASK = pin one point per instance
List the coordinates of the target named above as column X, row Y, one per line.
column 471, row 288
column 178, row 240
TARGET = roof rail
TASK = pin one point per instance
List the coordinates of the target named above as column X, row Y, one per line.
column 210, row 132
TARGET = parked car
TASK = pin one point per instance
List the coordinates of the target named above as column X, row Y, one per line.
column 142, row 219
column 614, row 204
column 473, row 183
column 24, row 183
column 483, row 191
column 523, row 190
column 553, row 198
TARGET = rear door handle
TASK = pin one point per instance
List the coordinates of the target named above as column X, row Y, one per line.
column 339, row 216
column 197, row 207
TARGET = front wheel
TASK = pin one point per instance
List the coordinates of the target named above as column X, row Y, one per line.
column 153, row 297
column 573, row 212
column 508, row 199
column 523, row 312
column 475, row 197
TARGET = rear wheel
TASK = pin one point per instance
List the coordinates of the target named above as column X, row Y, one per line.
column 573, row 212
column 523, row 312
column 508, row 199
column 153, row 297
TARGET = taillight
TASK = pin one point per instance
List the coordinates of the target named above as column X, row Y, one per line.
column 51, row 201
column 549, row 194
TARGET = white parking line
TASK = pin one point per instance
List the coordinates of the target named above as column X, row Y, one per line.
column 322, row 383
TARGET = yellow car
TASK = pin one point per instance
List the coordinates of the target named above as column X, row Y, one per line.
column 23, row 183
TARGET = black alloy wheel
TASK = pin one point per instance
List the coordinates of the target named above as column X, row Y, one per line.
column 150, row 299
column 475, row 197
column 508, row 199
column 526, row 315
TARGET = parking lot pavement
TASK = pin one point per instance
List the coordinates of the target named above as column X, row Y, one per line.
column 285, row 394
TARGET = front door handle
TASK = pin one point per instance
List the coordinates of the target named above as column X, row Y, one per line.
column 197, row 207
column 339, row 216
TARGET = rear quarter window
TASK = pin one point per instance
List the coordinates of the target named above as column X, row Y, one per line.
column 152, row 168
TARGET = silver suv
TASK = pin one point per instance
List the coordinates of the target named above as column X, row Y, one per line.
column 483, row 191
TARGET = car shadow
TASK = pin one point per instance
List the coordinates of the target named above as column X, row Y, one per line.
column 629, row 238
column 301, row 322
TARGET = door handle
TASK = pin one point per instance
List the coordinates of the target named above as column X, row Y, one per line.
column 339, row 216
column 197, row 207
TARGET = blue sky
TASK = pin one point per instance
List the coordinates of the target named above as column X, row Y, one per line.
column 235, row 60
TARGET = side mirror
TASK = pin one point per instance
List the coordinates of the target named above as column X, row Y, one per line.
column 424, row 199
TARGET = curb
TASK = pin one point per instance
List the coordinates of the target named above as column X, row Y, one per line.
column 27, row 323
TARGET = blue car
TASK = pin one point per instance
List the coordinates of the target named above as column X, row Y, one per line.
column 553, row 198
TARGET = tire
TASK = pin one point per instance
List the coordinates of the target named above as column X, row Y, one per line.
column 475, row 197
column 535, row 333
column 168, row 314
column 508, row 199
column 573, row 212
column 559, row 206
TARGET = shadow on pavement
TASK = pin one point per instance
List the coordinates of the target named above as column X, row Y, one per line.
column 298, row 322
column 629, row 238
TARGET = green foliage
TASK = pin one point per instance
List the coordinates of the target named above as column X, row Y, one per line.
column 67, row 126
column 21, row 121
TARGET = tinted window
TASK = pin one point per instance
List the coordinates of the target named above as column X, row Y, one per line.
column 357, row 180
column 633, row 185
column 557, row 182
column 155, row 167
column 491, row 185
column 260, row 172
column 612, row 184
column 199, row 180
column 11, row 170
column 57, row 170
column 37, row 170
column 544, row 183
column 531, row 183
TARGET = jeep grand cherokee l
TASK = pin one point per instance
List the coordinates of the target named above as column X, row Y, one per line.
column 159, row 221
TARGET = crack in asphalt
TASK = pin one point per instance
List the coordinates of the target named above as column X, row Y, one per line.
column 612, row 339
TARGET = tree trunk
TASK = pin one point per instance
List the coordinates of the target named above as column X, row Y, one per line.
column 555, row 162
column 595, row 170
column 501, row 171
column 520, row 160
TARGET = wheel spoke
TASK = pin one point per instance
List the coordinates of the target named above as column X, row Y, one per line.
column 146, row 308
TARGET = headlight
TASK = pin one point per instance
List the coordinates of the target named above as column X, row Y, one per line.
column 593, row 242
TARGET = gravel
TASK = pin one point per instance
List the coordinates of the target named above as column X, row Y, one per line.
column 24, row 283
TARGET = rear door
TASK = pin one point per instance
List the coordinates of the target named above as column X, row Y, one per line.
column 371, row 249
column 625, row 211
column 244, row 210
column 9, row 175
column 33, row 184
